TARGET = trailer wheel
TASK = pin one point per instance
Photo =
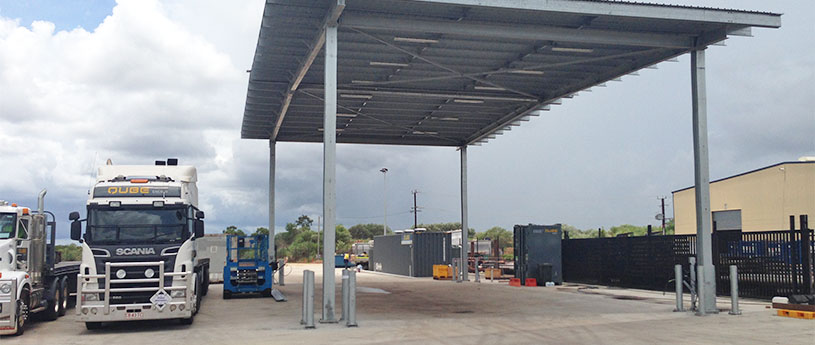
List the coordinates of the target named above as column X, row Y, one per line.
column 51, row 311
column 63, row 297
column 91, row 326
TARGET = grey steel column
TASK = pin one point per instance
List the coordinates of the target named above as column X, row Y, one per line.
column 464, row 229
column 701, row 171
column 272, row 152
column 344, row 295
column 352, row 299
column 329, row 173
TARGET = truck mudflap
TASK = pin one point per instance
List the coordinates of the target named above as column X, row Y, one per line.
column 168, row 302
column 8, row 308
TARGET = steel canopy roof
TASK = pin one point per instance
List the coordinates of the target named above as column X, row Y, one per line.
column 457, row 72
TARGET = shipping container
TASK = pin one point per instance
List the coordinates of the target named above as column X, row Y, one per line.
column 411, row 254
column 537, row 251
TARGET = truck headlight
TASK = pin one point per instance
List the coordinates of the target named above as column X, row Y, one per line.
column 5, row 288
column 178, row 294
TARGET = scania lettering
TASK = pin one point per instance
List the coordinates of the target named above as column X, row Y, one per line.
column 32, row 280
column 138, row 249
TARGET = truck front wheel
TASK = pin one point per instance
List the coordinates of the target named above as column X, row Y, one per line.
column 22, row 313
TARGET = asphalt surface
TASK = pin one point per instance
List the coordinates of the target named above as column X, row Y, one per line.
column 393, row 309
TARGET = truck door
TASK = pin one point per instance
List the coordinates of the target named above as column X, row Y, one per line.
column 23, row 244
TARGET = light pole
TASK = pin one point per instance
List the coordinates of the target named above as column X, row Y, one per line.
column 384, row 172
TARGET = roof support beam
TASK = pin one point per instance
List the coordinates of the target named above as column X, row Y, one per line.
column 428, row 94
column 331, row 17
column 517, row 31
column 617, row 9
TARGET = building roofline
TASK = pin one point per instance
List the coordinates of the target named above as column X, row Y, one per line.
column 749, row 172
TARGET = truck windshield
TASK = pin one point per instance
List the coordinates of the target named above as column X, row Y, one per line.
column 7, row 225
column 144, row 225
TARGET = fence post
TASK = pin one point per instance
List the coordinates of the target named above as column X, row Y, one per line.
column 793, row 261
column 678, row 278
column 806, row 255
column 352, row 299
column 345, row 276
column 734, row 291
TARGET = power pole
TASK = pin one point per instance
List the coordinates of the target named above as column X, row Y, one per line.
column 415, row 210
column 662, row 199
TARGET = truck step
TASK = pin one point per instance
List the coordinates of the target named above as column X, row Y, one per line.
column 278, row 296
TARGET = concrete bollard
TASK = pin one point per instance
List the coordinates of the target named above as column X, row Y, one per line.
column 308, row 298
column 477, row 276
column 734, row 291
column 345, row 276
column 280, row 274
column 352, row 300
column 700, row 272
column 693, row 296
column 678, row 277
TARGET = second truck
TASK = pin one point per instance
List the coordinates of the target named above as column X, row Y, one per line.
column 139, row 259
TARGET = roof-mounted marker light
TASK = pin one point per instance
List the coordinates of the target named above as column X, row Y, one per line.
column 388, row 64
column 139, row 180
column 414, row 40
column 26, row 211
column 115, row 204
column 158, row 203
column 572, row 50
column 14, row 205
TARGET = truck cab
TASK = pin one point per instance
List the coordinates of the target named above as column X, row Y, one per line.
column 30, row 279
column 138, row 252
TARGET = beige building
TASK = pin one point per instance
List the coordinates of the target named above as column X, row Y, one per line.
column 757, row 200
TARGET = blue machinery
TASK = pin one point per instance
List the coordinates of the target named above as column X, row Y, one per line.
column 247, row 267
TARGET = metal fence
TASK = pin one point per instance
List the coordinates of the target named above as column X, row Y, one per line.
column 770, row 263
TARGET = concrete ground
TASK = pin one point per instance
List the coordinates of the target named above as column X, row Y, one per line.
column 395, row 309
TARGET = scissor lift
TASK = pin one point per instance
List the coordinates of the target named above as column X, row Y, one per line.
column 247, row 267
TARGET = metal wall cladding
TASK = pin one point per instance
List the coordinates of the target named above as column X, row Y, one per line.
column 536, row 247
column 411, row 254
column 213, row 248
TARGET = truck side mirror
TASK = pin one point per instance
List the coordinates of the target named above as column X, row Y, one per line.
column 76, row 230
column 199, row 228
column 73, row 216
column 199, row 214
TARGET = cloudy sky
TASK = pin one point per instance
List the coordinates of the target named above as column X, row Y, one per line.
column 140, row 80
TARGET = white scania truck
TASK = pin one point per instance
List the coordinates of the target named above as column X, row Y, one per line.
column 32, row 280
column 138, row 250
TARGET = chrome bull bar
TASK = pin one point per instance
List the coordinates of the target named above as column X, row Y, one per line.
column 84, row 279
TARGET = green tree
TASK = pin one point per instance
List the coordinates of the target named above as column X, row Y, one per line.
column 366, row 231
column 497, row 233
column 343, row 239
column 260, row 231
column 444, row 227
column 71, row 252
column 233, row 230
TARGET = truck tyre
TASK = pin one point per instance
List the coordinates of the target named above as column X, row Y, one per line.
column 267, row 293
column 64, row 297
column 227, row 294
column 51, row 311
column 188, row 321
column 22, row 312
column 197, row 291
column 91, row 326
column 205, row 283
